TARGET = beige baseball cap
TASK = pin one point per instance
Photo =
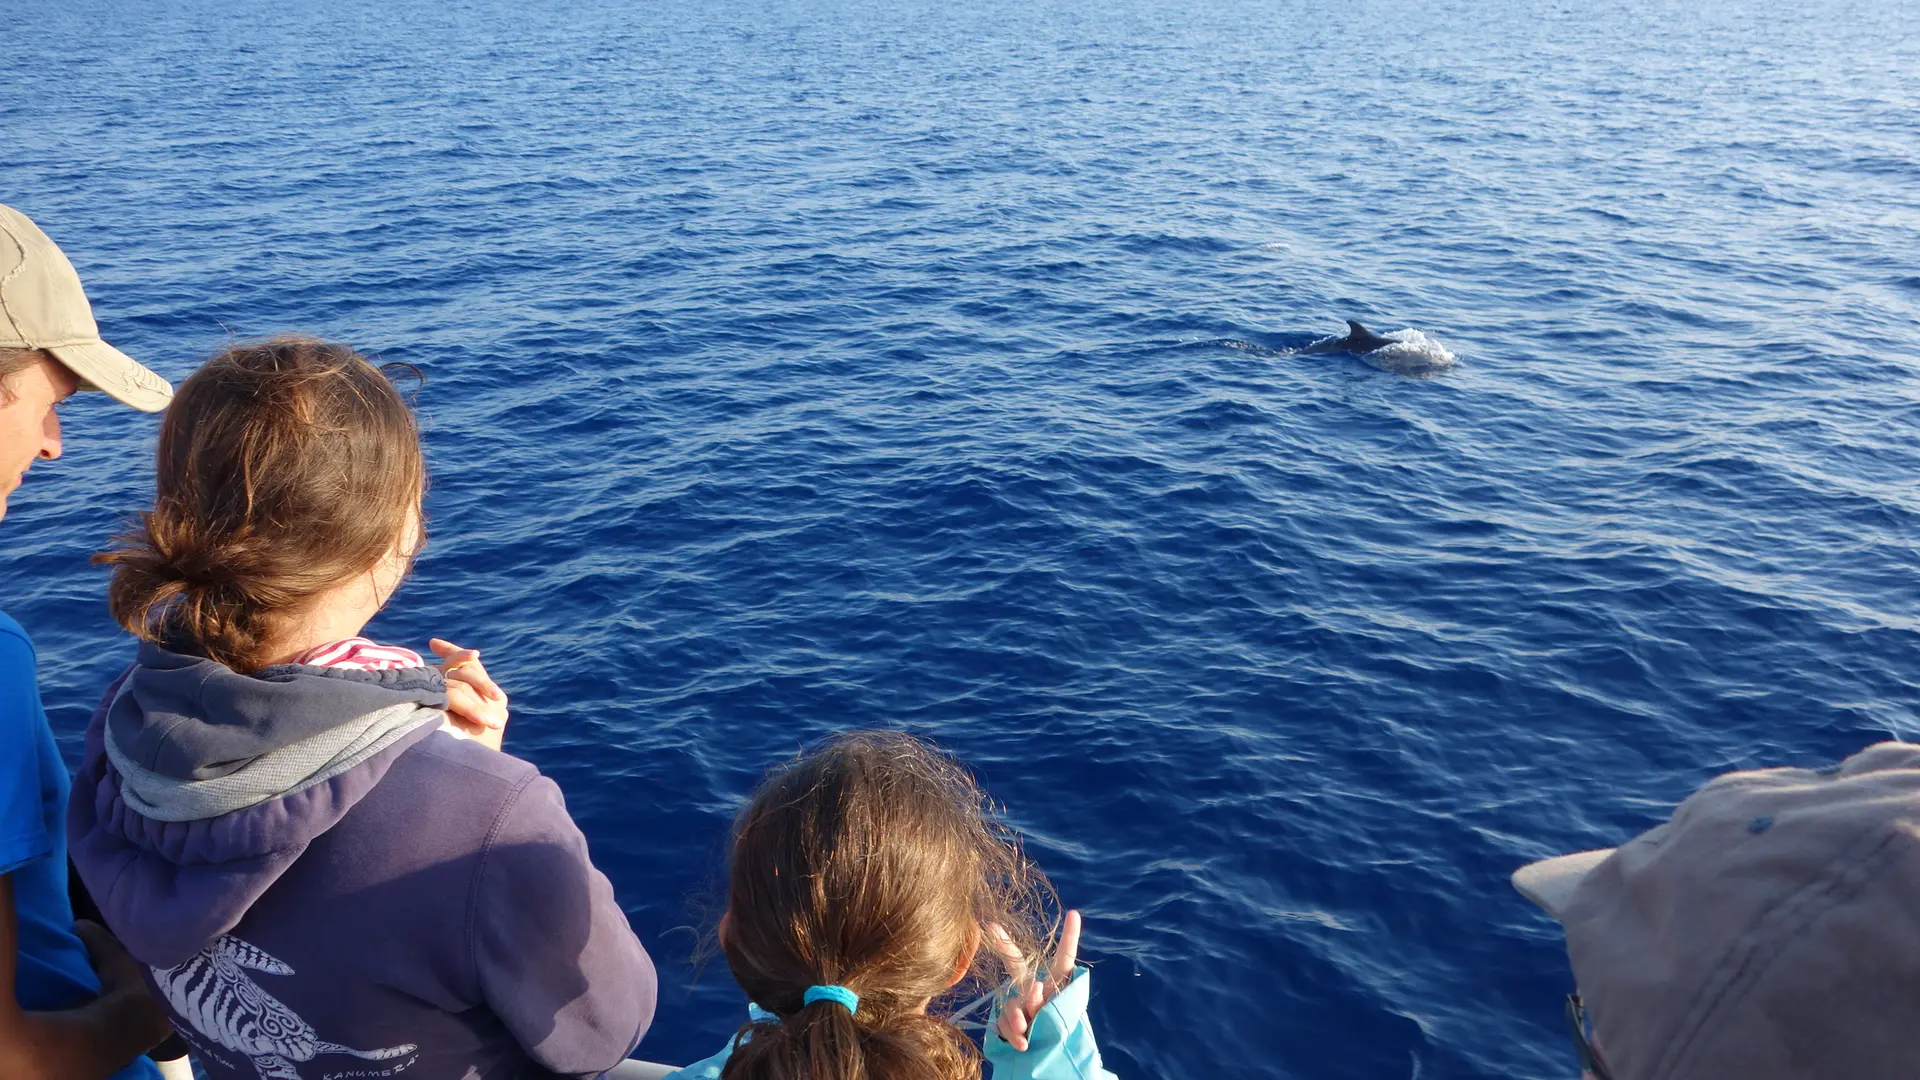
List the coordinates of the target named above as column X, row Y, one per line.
column 43, row 307
column 1769, row 931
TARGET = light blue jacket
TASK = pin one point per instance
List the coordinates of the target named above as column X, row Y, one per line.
column 1060, row 1043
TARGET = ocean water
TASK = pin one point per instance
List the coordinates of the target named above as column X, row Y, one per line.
column 794, row 367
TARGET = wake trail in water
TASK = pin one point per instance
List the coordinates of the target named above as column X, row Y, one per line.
column 1409, row 352
column 1412, row 353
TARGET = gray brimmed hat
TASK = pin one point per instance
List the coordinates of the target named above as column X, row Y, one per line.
column 1769, row 931
column 43, row 307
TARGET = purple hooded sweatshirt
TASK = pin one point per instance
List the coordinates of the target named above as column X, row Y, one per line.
column 325, row 885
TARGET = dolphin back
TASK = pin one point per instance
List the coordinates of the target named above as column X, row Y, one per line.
column 1360, row 339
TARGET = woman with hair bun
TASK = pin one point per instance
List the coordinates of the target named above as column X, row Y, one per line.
column 869, row 881
column 313, row 840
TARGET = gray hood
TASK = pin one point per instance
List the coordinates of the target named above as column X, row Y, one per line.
column 188, row 718
column 201, row 785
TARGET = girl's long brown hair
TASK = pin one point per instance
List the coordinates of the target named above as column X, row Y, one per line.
column 874, row 863
column 285, row 468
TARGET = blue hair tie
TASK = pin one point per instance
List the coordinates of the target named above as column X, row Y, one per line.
column 832, row 993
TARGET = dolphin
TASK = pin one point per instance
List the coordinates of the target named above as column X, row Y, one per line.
column 1359, row 339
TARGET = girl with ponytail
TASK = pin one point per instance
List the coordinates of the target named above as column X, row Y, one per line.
column 313, row 841
column 869, row 883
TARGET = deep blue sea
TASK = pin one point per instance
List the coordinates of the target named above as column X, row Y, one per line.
column 793, row 367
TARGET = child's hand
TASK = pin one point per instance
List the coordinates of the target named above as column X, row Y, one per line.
column 1030, row 995
column 475, row 703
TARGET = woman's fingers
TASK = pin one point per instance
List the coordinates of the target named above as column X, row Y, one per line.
column 447, row 650
column 476, row 676
column 464, row 664
column 453, row 657
column 465, row 705
column 475, row 703
column 465, row 726
column 464, row 702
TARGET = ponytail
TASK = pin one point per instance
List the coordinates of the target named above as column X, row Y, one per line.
column 825, row 1042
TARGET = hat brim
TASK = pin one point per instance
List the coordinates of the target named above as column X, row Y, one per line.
column 1551, row 883
column 102, row 367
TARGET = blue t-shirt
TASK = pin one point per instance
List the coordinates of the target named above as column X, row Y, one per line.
column 52, row 971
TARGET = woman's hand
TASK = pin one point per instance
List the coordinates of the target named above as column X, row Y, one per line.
column 1031, row 995
column 475, row 703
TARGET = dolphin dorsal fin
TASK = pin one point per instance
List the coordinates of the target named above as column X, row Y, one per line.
column 1358, row 330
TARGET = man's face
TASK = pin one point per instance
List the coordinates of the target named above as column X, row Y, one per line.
column 30, row 422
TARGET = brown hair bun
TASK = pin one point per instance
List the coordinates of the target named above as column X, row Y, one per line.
column 285, row 468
